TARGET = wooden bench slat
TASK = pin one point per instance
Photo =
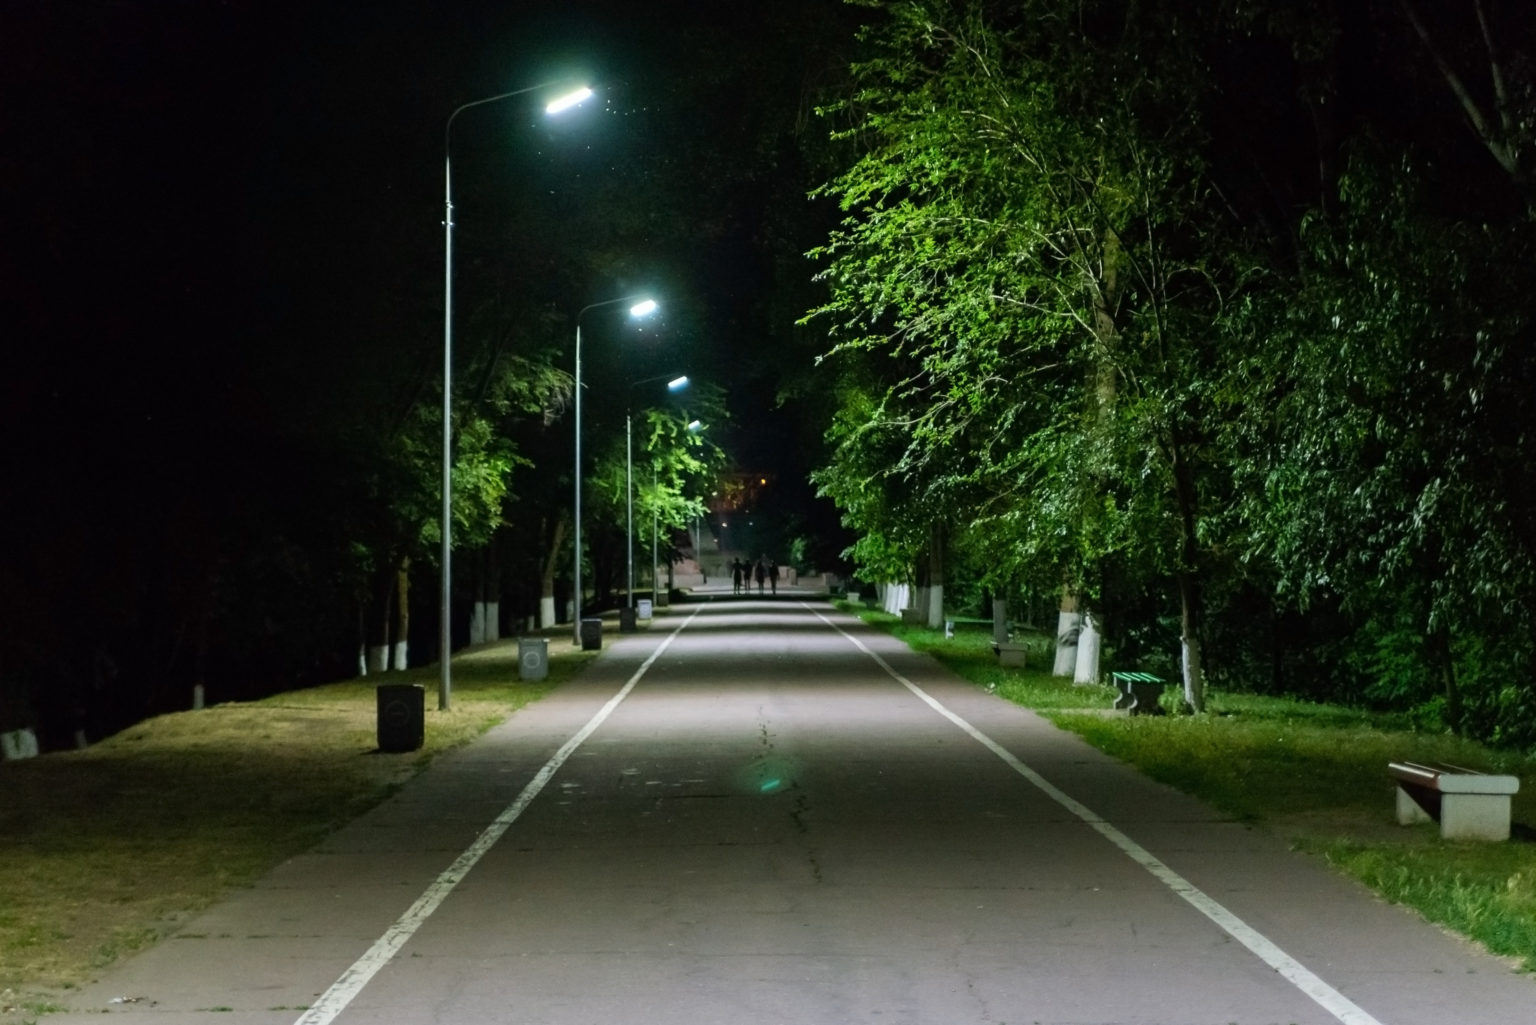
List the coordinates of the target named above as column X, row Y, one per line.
column 1450, row 779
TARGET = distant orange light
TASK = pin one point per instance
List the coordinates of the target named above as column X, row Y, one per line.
column 762, row 480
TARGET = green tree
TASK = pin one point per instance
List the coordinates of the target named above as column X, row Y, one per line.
column 1029, row 234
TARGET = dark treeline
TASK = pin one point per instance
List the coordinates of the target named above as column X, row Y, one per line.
column 223, row 273
column 1216, row 322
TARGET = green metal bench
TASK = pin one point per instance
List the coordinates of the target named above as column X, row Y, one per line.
column 1139, row 692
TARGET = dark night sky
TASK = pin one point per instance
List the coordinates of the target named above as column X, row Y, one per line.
column 213, row 212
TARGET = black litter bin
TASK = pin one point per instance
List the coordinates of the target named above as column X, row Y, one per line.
column 591, row 634
column 402, row 717
column 627, row 624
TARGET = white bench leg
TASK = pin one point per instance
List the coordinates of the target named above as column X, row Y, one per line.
column 1408, row 810
column 1474, row 816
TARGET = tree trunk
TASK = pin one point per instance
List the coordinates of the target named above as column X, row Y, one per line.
column 933, row 613
column 1185, row 497
column 1068, row 624
column 1194, row 674
column 1440, row 657
column 547, row 573
column 383, row 592
column 401, row 655
column 1086, row 669
column 362, row 636
column 485, row 617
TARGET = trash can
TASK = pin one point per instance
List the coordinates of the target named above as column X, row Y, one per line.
column 626, row 621
column 402, row 717
column 591, row 634
column 532, row 658
column 643, row 608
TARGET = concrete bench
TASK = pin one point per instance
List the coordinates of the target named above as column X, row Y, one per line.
column 1469, row 805
column 1010, row 654
column 1139, row 692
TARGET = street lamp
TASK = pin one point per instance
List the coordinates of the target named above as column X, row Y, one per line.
column 445, row 629
column 676, row 384
column 643, row 308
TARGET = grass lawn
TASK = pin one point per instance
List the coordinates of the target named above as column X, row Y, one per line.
column 105, row 850
column 1316, row 774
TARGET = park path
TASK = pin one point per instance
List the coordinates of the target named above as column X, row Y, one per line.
column 763, row 812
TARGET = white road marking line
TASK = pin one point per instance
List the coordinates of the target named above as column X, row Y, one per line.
column 1330, row 999
column 346, row 988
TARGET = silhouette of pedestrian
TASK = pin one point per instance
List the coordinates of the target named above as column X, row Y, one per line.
column 736, row 576
column 773, row 575
column 761, row 572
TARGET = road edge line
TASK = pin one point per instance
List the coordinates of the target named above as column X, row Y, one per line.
column 1299, row 975
column 351, row 982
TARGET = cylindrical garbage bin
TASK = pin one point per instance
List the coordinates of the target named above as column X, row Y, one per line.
column 532, row 658
column 591, row 634
column 626, row 621
column 643, row 608
column 402, row 716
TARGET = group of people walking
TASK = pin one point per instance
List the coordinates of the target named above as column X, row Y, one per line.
column 764, row 570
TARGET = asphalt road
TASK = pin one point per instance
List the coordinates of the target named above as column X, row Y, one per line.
column 761, row 812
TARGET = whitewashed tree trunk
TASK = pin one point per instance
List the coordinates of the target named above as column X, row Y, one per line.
column 485, row 621
column 18, row 744
column 1194, row 673
column 933, row 608
column 1087, row 668
column 362, row 660
column 401, row 652
column 556, row 531
column 1068, row 624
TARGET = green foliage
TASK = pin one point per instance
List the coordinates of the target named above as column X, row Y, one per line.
column 1069, row 323
column 1028, row 297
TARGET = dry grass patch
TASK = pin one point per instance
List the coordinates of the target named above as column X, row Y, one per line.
column 104, row 851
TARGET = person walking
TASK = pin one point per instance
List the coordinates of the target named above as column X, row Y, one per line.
column 773, row 575
column 761, row 572
column 736, row 575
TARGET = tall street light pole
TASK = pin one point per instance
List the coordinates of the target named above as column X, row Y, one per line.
column 644, row 307
column 445, row 629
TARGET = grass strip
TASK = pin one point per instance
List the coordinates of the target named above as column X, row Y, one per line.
column 1315, row 774
column 106, row 850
